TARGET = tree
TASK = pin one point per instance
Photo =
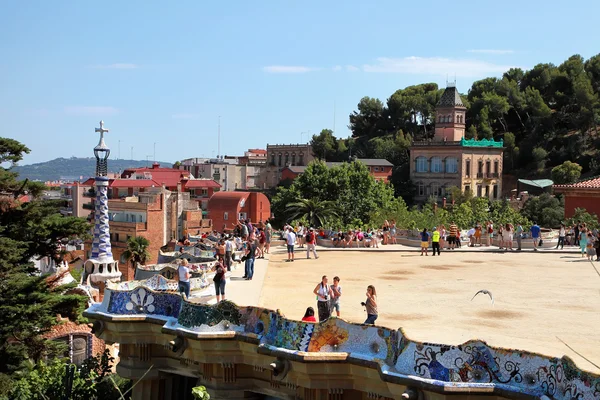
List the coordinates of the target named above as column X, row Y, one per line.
column 539, row 156
column 315, row 212
column 324, row 144
column 546, row 210
column 367, row 121
column 567, row 172
column 28, row 304
column 137, row 250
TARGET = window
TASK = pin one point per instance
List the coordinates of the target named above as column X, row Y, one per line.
column 293, row 159
column 225, row 216
column 273, row 159
column 301, row 159
column 488, row 167
column 487, row 190
column 478, row 190
column 436, row 164
column 420, row 189
column 440, row 119
column 467, row 188
column 287, row 159
column 376, row 169
column 495, row 191
column 496, row 167
column 435, row 189
column 242, row 216
column 280, row 159
column 451, row 165
column 480, row 167
column 468, row 168
column 421, row 164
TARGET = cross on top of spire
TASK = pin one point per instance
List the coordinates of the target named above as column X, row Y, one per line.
column 101, row 129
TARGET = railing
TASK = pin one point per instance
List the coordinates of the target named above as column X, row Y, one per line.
column 436, row 143
column 480, row 175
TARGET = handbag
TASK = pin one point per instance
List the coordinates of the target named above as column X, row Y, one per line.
column 541, row 242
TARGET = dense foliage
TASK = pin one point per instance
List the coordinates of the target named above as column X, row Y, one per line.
column 355, row 193
column 28, row 230
column 137, row 250
column 546, row 116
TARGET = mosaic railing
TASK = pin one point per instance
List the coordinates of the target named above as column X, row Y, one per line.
column 481, row 143
column 473, row 364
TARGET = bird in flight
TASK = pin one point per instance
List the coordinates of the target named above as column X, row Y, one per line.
column 483, row 291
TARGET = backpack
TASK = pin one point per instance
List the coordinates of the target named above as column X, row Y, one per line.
column 309, row 237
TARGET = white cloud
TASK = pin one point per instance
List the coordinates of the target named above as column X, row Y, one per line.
column 337, row 68
column 435, row 66
column 91, row 110
column 184, row 116
column 287, row 69
column 352, row 68
column 490, row 51
column 117, row 66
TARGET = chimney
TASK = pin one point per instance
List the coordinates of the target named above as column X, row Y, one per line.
column 435, row 207
column 155, row 165
column 444, row 202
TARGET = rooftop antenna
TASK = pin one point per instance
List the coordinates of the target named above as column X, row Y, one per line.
column 119, row 156
column 154, row 155
column 219, row 139
column 132, row 152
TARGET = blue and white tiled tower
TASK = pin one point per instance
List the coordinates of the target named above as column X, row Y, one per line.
column 101, row 267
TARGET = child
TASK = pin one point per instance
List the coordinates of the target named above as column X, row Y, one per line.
column 591, row 252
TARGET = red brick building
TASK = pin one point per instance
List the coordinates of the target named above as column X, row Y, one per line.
column 227, row 208
column 380, row 169
column 583, row 194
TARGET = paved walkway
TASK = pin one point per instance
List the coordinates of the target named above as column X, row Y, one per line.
column 464, row 248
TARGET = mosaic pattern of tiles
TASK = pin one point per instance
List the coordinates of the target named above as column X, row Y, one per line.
column 473, row 363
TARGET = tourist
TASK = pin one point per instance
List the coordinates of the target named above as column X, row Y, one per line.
column 323, row 292
column 268, row 234
column 219, row 280
column 290, row 238
column 371, row 305
column 424, row 241
column 453, row 235
column 471, row 236
column 508, row 236
column 501, row 236
column 228, row 252
column 435, row 241
column 457, row 240
column 359, row 237
column 183, row 273
column 490, row 232
column 589, row 248
column 535, row 235
column 393, row 231
column 311, row 242
column 300, row 233
column 251, row 251
column 349, row 238
column 577, row 227
column 262, row 241
column 309, row 315
column 519, row 234
column 386, row 228
column 442, row 237
column 583, row 239
column 477, row 234
column 336, row 293
column 597, row 246
column 561, row 237
column 245, row 231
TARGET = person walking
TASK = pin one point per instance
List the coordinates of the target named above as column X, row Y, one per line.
column 583, row 240
column 577, row 229
column 435, row 241
column 562, row 232
column 290, row 238
column 250, row 257
column 508, row 236
column 311, row 242
column 219, row 280
column 519, row 234
column 393, row 232
column 183, row 273
column 535, row 235
column 268, row 233
column 490, row 233
column 424, row 241
column 371, row 305
column 228, row 252
column 323, row 292
column 336, row 293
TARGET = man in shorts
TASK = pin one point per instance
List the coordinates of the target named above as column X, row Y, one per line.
column 535, row 235
column 453, row 229
column 336, row 291
column 290, row 238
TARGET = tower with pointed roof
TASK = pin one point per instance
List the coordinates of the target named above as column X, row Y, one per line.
column 449, row 160
column 450, row 116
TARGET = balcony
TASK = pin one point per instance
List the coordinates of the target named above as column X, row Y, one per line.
column 128, row 226
column 480, row 175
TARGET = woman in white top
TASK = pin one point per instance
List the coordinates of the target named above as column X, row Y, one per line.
column 324, row 293
column 184, row 278
column 508, row 236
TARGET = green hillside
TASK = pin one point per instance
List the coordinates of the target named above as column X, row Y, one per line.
column 74, row 168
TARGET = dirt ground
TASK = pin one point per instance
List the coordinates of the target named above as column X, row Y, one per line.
column 537, row 297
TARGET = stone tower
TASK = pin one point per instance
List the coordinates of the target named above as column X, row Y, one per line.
column 101, row 267
column 450, row 116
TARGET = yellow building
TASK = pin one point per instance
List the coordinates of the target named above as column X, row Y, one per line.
column 450, row 160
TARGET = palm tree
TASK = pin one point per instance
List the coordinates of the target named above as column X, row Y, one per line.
column 137, row 250
column 315, row 211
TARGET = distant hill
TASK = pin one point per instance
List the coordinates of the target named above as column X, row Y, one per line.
column 73, row 168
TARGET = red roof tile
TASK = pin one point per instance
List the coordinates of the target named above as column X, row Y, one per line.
column 200, row 183
column 134, row 183
column 593, row 183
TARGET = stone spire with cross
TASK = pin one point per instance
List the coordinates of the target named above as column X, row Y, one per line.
column 101, row 151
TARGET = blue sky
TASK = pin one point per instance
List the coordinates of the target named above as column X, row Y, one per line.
column 163, row 72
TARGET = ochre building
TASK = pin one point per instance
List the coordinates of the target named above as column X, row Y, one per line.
column 450, row 160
